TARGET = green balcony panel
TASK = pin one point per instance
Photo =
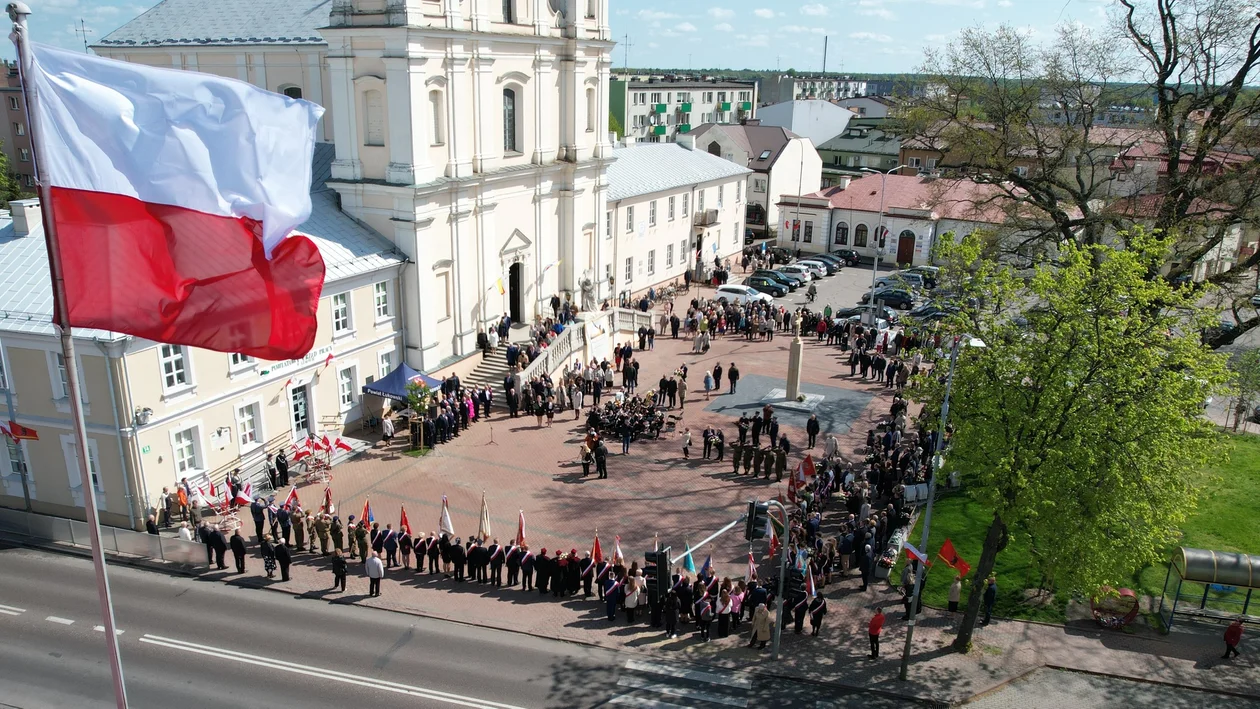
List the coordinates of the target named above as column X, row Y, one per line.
column 660, row 108
column 724, row 106
column 745, row 106
column 658, row 130
column 686, row 107
column 684, row 128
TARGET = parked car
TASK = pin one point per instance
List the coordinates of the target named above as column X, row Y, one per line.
column 818, row 268
column 792, row 282
column 1255, row 300
column 829, row 258
column 881, row 311
column 849, row 256
column 930, row 274
column 893, row 297
column 932, row 310
column 902, row 280
column 741, row 294
column 766, row 285
column 802, row 272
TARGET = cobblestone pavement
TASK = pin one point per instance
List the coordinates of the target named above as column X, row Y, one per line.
column 1046, row 688
column 653, row 490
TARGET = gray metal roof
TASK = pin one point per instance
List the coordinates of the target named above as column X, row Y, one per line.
column 224, row 22
column 348, row 248
column 646, row 168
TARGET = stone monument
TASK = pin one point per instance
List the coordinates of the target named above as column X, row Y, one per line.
column 796, row 353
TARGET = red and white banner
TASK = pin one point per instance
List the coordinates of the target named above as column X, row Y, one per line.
column 444, row 520
column 292, row 500
column 245, row 494
column 177, row 195
column 403, row 523
column 342, row 445
column 596, row 552
column 617, row 557
column 520, row 529
column 327, row 506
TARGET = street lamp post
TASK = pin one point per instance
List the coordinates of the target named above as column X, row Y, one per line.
column 883, row 191
column 927, row 514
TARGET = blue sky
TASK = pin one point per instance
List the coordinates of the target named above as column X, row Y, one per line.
column 865, row 35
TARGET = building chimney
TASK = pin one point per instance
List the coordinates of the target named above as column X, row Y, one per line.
column 26, row 215
column 628, row 141
column 843, row 182
column 686, row 141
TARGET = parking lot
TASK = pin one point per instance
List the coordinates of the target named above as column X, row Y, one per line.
column 841, row 290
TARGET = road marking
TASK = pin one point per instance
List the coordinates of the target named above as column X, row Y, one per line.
column 643, row 703
column 685, row 692
column 101, row 629
column 738, row 680
column 55, row 619
column 11, row 610
column 432, row 694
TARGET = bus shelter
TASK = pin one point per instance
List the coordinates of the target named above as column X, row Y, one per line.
column 1209, row 585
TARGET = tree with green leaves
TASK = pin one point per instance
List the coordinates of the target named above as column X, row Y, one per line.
column 10, row 187
column 1029, row 119
column 1078, row 423
column 614, row 125
column 1245, row 366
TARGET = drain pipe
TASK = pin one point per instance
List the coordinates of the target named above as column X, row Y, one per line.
column 139, row 458
column 112, row 353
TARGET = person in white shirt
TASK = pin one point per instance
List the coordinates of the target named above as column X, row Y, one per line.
column 375, row 572
column 185, row 532
column 387, row 430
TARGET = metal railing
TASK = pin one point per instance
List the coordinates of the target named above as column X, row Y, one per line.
column 554, row 355
column 113, row 539
column 628, row 319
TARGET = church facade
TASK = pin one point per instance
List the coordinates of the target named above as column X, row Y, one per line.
column 471, row 134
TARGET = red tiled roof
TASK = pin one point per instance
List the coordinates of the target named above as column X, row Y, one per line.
column 947, row 198
column 1146, row 206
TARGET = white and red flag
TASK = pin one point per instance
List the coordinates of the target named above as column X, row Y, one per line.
column 292, row 500
column 752, row 568
column 245, row 494
column 444, row 520
column 342, row 445
column 327, row 507
column 302, row 451
column 597, row 553
column 326, row 443
column 176, row 195
column 618, row 557
column 520, row 530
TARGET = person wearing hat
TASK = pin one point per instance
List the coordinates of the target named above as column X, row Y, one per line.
column 817, row 609
column 258, row 510
column 542, row 569
column 336, row 532
column 573, row 574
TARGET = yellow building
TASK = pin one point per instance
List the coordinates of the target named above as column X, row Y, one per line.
column 157, row 413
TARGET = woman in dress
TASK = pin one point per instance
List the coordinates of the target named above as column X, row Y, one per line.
column 269, row 556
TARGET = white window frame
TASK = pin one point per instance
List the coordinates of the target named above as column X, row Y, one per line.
column 759, row 185
column 721, row 192
column 915, row 162
column 686, row 200
column 700, row 201
column 629, row 220
column 652, row 213
column 342, row 404
column 8, row 461
column 177, row 391
column 260, row 435
column 608, row 225
column 381, row 369
column 669, row 256
column 629, row 270
column 671, row 209
column 651, row 262
column 69, row 449
column 58, row 383
column 239, row 364
column 739, row 193
column 198, row 449
column 13, row 103
column 348, row 329
column 383, row 301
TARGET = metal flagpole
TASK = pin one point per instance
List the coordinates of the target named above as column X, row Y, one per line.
column 18, row 13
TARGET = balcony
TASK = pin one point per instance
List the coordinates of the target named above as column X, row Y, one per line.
column 686, row 107
column 724, row 106
column 684, row 127
column 658, row 130
column 745, row 105
column 705, row 217
column 660, row 107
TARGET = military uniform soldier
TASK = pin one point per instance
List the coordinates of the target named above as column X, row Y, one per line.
column 338, row 533
column 780, row 463
column 737, row 451
column 749, row 453
column 361, row 540
column 759, row 457
column 321, row 530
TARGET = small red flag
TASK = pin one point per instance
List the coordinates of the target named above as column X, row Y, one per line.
column 328, row 360
column 18, row 432
column 952, row 559
column 325, row 443
column 596, row 552
column 342, row 445
column 520, row 528
column 403, row 524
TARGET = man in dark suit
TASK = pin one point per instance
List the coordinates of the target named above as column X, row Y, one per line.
column 283, row 559
column 514, row 556
column 459, row 557
column 542, row 567
column 527, row 569
column 258, row 510
column 601, row 459
column 219, row 543
column 285, row 519
column 495, row 553
column 389, row 540
column 282, row 470
column 238, row 550
column 203, row 535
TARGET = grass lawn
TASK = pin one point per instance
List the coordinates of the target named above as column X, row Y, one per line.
column 1224, row 521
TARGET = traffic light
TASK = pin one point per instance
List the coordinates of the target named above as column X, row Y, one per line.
column 756, row 519
column 656, row 572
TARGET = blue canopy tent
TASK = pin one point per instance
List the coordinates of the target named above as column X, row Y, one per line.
column 393, row 386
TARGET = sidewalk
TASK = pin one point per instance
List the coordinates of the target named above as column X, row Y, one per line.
column 654, row 490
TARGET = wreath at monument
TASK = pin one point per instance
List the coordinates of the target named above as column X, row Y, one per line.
column 1114, row 608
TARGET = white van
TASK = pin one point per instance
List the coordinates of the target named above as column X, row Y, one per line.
column 733, row 293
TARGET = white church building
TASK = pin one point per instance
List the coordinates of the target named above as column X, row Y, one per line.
column 472, row 134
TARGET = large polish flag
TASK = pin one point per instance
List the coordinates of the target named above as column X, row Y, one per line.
column 175, row 195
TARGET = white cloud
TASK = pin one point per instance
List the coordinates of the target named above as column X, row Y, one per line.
column 870, row 37
column 977, row 4
column 721, row 13
column 764, row 13
column 653, row 45
column 685, row 27
column 758, row 41
column 1005, row 3
column 816, row 9
column 724, row 27
column 798, row 29
column 880, row 12
column 656, row 15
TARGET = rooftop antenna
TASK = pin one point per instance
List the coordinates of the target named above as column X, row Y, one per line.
column 628, row 46
column 83, row 32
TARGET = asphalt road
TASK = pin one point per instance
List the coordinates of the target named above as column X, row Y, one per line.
column 188, row 642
